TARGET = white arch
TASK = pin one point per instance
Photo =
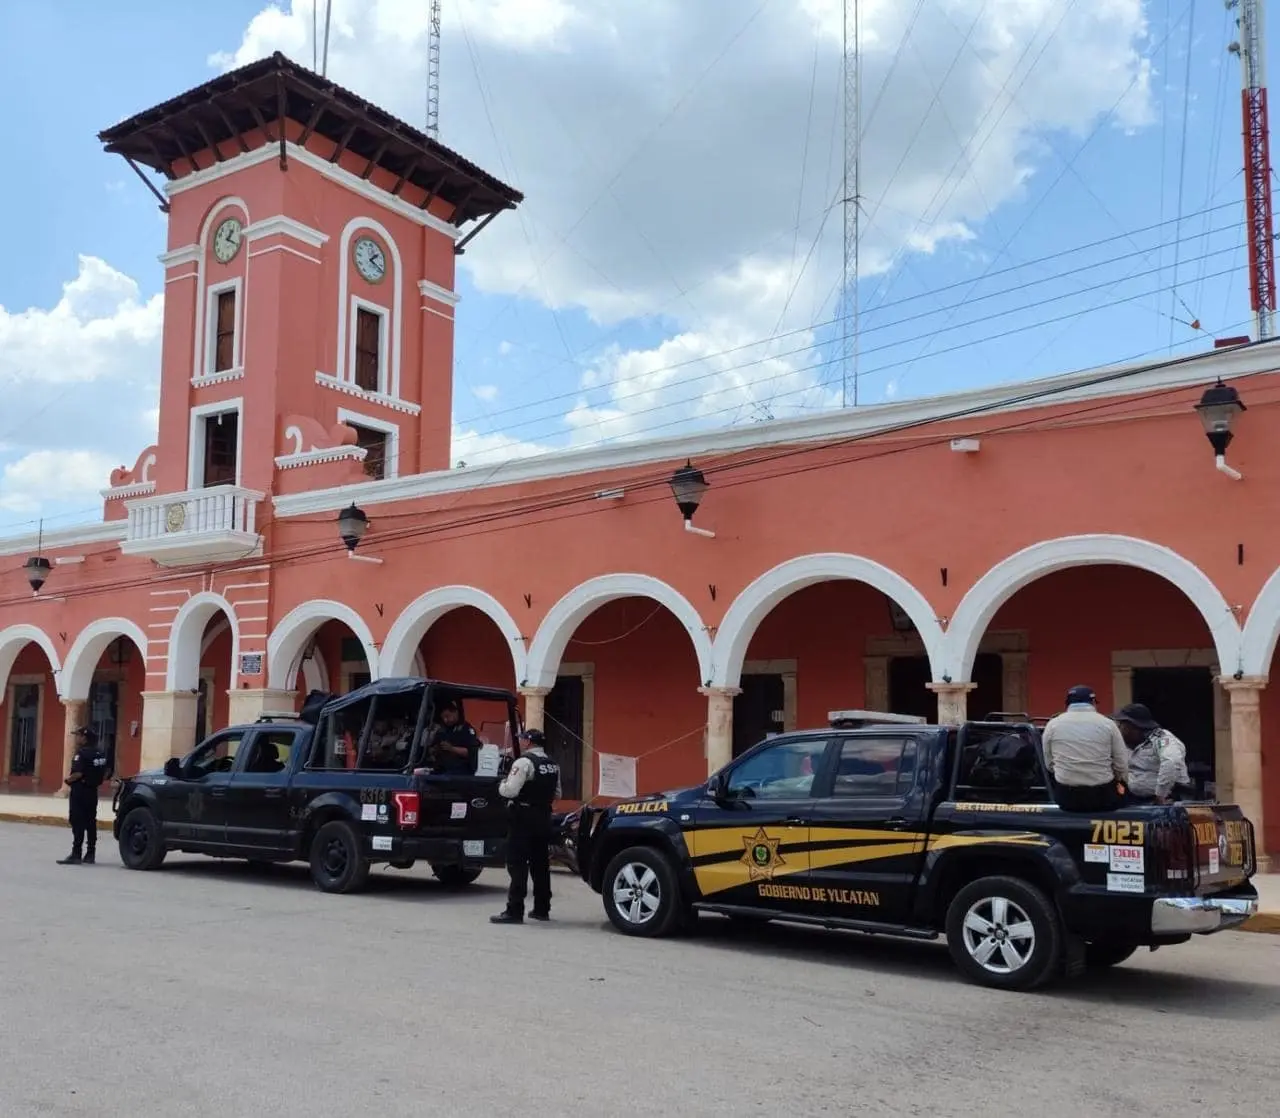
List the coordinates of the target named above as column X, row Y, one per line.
column 344, row 299
column 569, row 612
column 419, row 615
column 1006, row 578
column 197, row 362
column 87, row 650
column 186, row 640
column 753, row 604
column 13, row 640
column 289, row 639
column 1261, row 629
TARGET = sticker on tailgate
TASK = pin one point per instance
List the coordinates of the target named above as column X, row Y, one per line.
column 473, row 848
column 1127, row 859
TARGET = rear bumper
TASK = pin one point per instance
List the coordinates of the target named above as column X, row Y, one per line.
column 1199, row 915
column 477, row 852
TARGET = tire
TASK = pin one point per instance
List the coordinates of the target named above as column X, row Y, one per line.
column 337, row 863
column 1005, row 933
column 641, row 893
column 402, row 864
column 456, row 877
column 141, row 847
column 1099, row 956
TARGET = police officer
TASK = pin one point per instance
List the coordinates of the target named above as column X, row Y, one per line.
column 88, row 769
column 531, row 787
column 455, row 746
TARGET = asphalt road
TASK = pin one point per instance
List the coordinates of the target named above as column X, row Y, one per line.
column 208, row 988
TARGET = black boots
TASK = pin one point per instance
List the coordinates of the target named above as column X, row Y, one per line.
column 507, row 918
column 72, row 859
column 89, row 857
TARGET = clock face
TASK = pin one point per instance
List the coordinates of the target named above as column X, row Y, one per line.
column 226, row 240
column 371, row 261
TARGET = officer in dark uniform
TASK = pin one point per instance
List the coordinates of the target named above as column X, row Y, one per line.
column 531, row 787
column 455, row 746
column 88, row 770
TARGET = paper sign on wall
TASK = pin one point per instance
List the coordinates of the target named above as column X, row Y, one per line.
column 617, row 776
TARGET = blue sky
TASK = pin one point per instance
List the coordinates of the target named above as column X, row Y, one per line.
column 673, row 194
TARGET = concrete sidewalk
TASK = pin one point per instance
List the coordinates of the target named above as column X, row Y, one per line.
column 52, row 811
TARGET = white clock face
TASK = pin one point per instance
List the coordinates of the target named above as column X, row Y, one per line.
column 226, row 240
column 371, row 261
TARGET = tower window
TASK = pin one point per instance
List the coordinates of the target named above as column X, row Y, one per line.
column 368, row 355
column 375, row 445
column 224, row 337
column 221, row 436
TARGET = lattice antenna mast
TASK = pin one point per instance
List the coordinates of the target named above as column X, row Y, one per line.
column 852, row 72
column 1251, row 47
column 433, row 72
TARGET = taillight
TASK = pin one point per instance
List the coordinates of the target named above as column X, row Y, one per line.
column 1173, row 852
column 406, row 808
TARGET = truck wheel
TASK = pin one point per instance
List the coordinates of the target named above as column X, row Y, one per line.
column 141, row 847
column 337, row 864
column 1004, row 932
column 455, row 877
column 641, row 894
column 1098, row 956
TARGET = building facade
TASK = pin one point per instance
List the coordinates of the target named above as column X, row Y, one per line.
column 961, row 554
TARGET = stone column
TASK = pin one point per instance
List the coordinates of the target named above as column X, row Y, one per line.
column 75, row 713
column 1246, row 756
column 535, row 703
column 1121, row 686
column 248, row 703
column 953, row 702
column 1014, row 671
column 719, row 747
column 168, row 726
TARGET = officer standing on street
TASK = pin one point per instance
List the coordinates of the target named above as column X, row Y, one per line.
column 88, row 769
column 531, row 787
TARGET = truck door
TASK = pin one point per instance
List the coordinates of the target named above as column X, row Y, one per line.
column 750, row 845
column 257, row 799
column 869, row 831
column 194, row 808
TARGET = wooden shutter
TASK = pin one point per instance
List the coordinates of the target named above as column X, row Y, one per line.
column 368, row 346
column 224, row 345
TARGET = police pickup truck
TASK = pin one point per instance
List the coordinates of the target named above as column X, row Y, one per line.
column 352, row 781
column 922, row 832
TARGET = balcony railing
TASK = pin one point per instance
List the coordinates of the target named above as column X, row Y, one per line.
column 199, row 526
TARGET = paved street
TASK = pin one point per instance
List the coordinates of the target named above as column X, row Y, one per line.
column 211, row 989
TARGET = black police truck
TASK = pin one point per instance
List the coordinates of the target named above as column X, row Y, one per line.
column 397, row 771
column 922, row 832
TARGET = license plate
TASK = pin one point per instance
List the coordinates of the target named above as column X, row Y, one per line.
column 473, row 848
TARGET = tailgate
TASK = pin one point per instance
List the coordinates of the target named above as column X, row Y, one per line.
column 1224, row 846
column 460, row 807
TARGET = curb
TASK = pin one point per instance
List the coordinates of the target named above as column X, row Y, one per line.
column 1264, row 922
column 46, row 820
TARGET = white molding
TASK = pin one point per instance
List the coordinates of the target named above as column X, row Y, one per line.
column 281, row 225
column 224, row 377
column 323, row 167
column 326, row 380
column 1006, row 578
column 187, row 254
column 829, row 426
column 396, row 324
column 562, row 620
column 14, row 639
column 415, row 621
column 110, row 531
column 391, row 430
column 201, row 260
column 195, row 437
column 315, row 457
column 431, row 290
column 289, row 638
column 284, row 248
column 186, row 641
column 754, row 603
column 1261, row 629
column 383, row 315
column 206, row 372
column 87, row 650
column 121, row 492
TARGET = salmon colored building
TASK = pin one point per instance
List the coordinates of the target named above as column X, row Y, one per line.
column 976, row 552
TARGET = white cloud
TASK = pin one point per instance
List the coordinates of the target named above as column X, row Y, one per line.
column 661, row 158
column 52, row 475
column 486, row 392
column 476, row 449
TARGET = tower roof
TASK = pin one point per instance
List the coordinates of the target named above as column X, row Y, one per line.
column 169, row 137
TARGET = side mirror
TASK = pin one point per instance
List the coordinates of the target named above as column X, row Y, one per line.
column 173, row 768
column 718, row 787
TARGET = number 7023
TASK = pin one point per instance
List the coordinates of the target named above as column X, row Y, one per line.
column 1125, row 832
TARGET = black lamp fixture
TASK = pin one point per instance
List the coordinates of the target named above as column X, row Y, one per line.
column 37, row 569
column 352, row 525
column 688, row 486
column 1218, row 408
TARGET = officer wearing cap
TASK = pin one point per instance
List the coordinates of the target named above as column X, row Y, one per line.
column 1158, row 761
column 530, row 788
column 1086, row 755
column 88, row 770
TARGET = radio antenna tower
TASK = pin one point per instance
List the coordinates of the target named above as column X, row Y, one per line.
column 433, row 72
column 852, row 72
column 1251, row 47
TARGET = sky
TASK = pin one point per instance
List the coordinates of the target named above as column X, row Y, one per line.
column 1044, row 185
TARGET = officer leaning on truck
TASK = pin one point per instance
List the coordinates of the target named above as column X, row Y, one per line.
column 531, row 787
column 88, row 769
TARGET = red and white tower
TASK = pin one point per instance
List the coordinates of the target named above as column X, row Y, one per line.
column 1257, row 166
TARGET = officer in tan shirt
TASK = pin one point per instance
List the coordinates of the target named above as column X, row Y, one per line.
column 1086, row 755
